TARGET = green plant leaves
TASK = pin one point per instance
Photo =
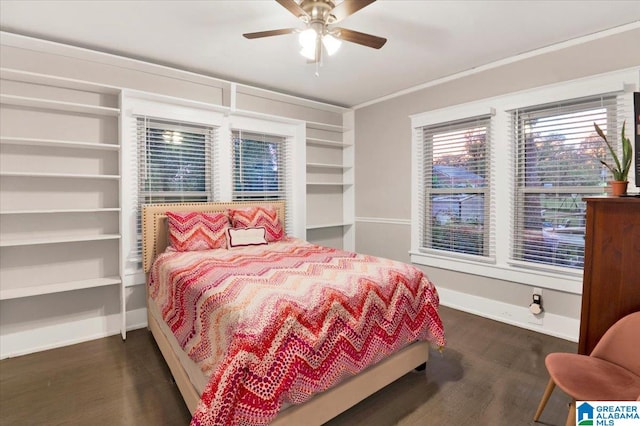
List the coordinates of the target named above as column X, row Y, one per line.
column 621, row 169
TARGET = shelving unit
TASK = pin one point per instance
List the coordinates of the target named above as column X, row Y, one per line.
column 62, row 205
column 325, row 142
column 38, row 290
column 58, row 143
column 58, row 175
column 327, row 166
column 60, row 211
column 56, row 240
column 50, row 80
column 60, row 188
column 328, row 225
column 329, row 184
column 26, row 101
column 327, row 127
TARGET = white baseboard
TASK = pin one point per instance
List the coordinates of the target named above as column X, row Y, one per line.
column 546, row 323
column 51, row 336
column 136, row 319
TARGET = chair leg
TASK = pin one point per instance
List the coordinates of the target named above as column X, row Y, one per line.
column 571, row 417
column 545, row 397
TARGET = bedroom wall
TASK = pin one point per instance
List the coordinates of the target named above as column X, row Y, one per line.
column 383, row 143
column 34, row 323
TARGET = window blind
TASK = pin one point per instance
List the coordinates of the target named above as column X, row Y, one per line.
column 261, row 168
column 557, row 164
column 174, row 163
column 456, row 213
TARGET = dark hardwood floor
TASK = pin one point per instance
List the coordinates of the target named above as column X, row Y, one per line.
column 489, row 374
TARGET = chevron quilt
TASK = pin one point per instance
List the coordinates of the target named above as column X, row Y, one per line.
column 280, row 322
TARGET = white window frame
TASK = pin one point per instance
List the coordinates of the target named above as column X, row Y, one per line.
column 611, row 103
column 419, row 123
column 294, row 133
column 136, row 103
column 143, row 145
column 503, row 154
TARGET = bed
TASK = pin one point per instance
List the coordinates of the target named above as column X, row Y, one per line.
column 198, row 389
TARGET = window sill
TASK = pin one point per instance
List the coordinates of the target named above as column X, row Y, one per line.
column 569, row 283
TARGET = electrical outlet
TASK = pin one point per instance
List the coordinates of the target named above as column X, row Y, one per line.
column 537, row 297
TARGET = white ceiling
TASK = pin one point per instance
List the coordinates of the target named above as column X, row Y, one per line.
column 427, row 40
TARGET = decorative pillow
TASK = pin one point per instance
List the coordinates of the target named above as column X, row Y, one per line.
column 252, row 217
column 240, row 237
column 193, row 231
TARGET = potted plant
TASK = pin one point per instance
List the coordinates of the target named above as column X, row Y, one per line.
column 620, row 170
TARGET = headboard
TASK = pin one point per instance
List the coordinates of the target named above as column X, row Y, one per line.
column 155, row 237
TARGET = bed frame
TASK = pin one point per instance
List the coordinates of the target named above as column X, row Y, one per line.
column 319, row 409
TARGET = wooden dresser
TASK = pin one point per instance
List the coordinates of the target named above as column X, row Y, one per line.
column 611, row 283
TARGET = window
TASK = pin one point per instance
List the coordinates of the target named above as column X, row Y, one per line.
column 184, row 152
column 542, row 158
column 174, row 163
column 259, row 166
column 456, row 187
column 557, row 164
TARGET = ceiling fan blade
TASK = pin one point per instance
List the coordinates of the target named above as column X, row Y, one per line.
column 270, row 33
column 293, row 7
column 359, row 38
column 347, row 8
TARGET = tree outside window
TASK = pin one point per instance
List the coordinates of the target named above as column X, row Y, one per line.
column 558, row 164
column 456, row 187
column 258, row 166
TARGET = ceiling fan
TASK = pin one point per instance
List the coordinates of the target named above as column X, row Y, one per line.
column 319, row 16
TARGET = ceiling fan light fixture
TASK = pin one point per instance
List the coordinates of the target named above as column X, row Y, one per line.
column 319, row 16
column 307, row 40
column 331, row 43
column 308, row 53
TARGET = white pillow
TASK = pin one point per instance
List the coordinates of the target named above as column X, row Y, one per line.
column 240, row 237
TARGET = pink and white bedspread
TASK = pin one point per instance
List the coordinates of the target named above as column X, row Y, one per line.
column 280, row 322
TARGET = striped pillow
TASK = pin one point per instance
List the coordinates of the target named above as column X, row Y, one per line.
column 253, row 217
column 193, row 231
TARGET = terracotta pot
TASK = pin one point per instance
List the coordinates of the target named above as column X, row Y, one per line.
column 618, row 187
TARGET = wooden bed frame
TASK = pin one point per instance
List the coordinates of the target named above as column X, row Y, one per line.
column 321, row 407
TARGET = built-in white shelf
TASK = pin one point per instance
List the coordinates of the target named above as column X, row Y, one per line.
column 58, row 175
column 56, row 240
column 324, row 126
column 326, row 142
column 328, row 225
column 58, row 105
column 242, row 89
column 330, row 159
column 154, row 97
column 50, row 80
column 74, row 101
column 327, row 166
column 56, row 143
column 328, row 184
column 62, row 211
column 15, row 293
